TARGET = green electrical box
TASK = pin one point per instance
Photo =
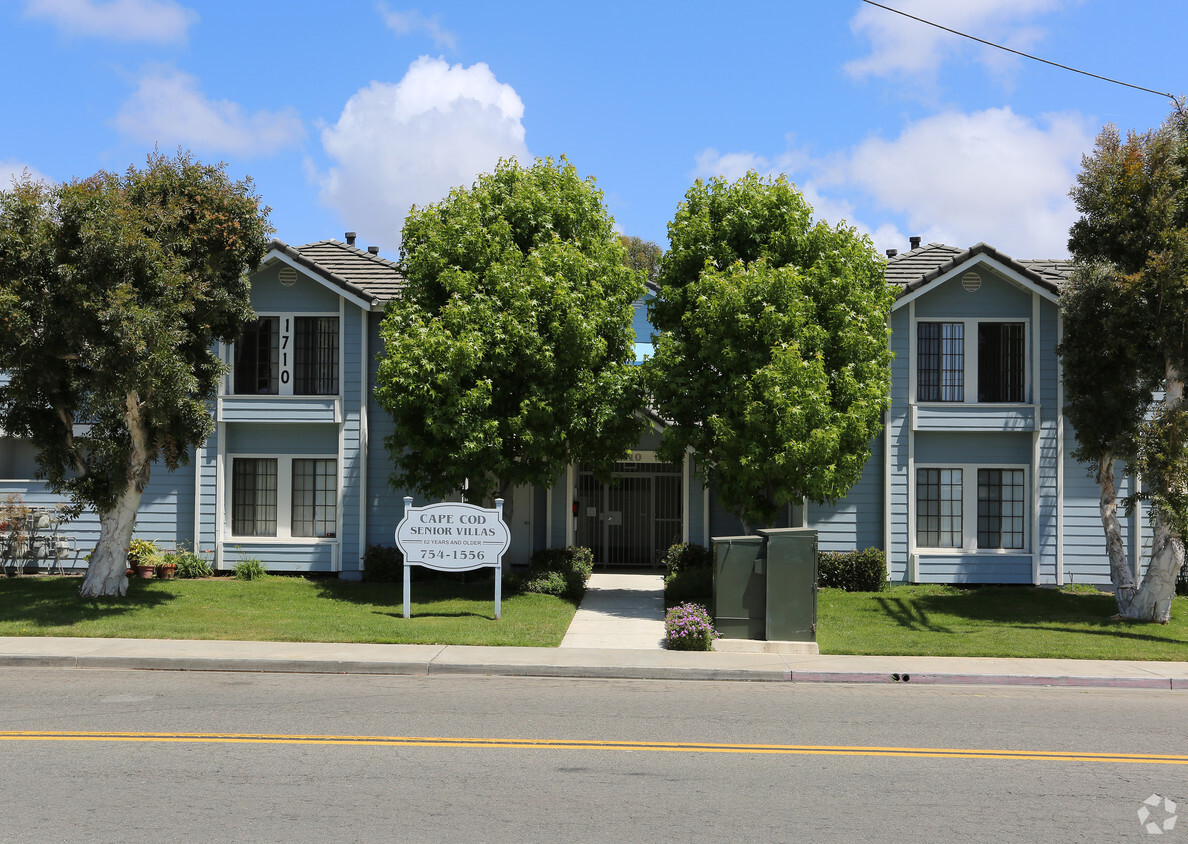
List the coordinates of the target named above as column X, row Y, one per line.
column 791, row 584
column 765, row 586
column 739, row 588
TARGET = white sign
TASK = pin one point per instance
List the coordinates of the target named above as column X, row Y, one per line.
column 449, row 536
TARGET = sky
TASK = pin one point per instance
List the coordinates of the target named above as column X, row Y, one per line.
column 346, row 113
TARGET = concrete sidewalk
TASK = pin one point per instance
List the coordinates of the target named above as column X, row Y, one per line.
column 615, row 634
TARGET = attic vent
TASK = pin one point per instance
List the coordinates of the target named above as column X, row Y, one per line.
column 287, row 276
column 971, row 281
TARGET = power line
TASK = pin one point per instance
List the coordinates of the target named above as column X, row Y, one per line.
column 1025, row 55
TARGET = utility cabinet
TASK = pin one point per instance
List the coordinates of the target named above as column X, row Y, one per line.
column 765, row 586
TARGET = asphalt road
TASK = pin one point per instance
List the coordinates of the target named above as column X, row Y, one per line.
column 248, row 757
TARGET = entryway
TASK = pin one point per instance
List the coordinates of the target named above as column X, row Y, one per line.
column 632, row 520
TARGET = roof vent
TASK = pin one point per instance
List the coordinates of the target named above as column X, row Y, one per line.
column 287, row 276
column 374, row 250
column 350, row 236
column 891, row 253
column 915, row 241
column 971, row 281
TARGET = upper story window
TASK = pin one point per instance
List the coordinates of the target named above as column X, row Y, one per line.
column 288, row 356
column 946, row 373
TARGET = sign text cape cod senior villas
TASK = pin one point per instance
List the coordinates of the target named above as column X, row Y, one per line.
column 449, row 536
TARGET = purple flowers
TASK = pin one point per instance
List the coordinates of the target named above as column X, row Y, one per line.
column 688, row 627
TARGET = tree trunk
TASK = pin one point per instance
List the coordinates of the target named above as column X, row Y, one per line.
column 1153, row 600
column 1121, row 574
column 107, row 573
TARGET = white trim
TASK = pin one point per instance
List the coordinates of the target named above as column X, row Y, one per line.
column 969, row 514
column 1005, row 272
column 705, row 513
column 276, row 254
column 551, row 494
column 1059, row 456
column 198, row 452
column 288, row 357
column 913, row 562
column 1034, row 345
column 220, row 525
column 571, row 494
column 685, row 493
column 886, row 509
column 364, row 438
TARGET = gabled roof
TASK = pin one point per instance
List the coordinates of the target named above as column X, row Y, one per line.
column 923, row 265
column 365, row 276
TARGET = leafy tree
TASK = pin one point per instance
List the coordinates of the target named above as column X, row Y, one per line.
column 113, row 291
column 643, row 256
column 1107, row 395
column 1133, row 199
column 509, row 353
column 772, row 358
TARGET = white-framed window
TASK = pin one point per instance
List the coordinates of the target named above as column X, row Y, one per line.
column 288, row 355
column 971, row 508
column 951, row 368
column 284, row 497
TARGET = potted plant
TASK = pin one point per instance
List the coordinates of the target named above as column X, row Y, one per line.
column 167, row 566
column 143, row 556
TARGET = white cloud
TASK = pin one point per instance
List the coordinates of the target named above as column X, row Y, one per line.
column 407, row 22
column 904, row 47
column 397, row 144
column 160, row 21
column 12, row 170
column 991, row 176
column 957, row 178
column 168, row 109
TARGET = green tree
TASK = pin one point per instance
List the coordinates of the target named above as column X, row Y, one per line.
column 643, row 256
column 509, row 353
column 772, row 358
column 1133, row 198
column 1096, row 351
column 113, row 291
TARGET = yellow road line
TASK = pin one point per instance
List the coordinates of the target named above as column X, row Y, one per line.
column 582, row 744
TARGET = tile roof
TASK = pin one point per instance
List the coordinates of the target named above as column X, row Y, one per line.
column 355, row 270
column 917, row 267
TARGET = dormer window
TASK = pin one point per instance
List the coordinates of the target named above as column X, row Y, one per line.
column 289, row 356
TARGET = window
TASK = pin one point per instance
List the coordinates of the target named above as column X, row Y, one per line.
column 996, row 373
column 941, row 353
column 1000, row 508
column 1000, row 362
column 257, row 358
column 938, row 508
column 253, row 496
column 998, row 496
column 283, row 497
column 315, row 498
column 288, row 356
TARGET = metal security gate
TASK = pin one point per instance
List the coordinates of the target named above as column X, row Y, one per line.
column 635, row 518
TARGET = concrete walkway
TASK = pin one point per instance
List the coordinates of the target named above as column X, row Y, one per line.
column 615, row 634
column 621, row 611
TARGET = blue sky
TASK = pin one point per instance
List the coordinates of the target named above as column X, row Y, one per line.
column 346, row 113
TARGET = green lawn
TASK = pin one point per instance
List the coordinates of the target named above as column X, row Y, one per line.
column 289, row 609
column 1002, row 621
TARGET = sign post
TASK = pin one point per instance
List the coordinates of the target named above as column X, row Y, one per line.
column 453, row 537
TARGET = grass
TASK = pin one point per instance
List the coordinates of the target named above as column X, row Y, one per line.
column 285, row 609
column 1000, row 621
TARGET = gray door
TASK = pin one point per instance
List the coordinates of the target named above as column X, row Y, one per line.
column 632, row 520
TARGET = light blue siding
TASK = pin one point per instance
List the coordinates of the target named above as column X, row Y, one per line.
column 856, row 521
column 306, row 296
column 997, row 298
column 282, row 439
column 974, row 568
column 280, row 409
column 951, row 448
column 288, row 557
column 988, row 418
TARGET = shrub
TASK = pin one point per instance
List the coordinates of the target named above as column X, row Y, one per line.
column 853, row 571
column 559, row 571
column 687, row 627
column 688, row 556
column 188, row 563
column 689, row 585
column 250, row 569
column 383, row 564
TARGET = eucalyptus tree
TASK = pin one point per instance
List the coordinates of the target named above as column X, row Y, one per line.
column 113, row 292
column 510, row 352
column 772, row 360
column 1132, row 194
